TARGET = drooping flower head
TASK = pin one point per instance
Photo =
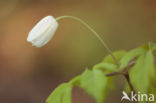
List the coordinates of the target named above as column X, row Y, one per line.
column 43, row 31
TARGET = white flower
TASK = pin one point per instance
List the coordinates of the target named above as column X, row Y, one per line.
column 43, row 31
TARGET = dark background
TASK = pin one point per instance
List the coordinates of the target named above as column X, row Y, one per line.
column 29, row 74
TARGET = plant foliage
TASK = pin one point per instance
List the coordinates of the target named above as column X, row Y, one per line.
column 96, row 83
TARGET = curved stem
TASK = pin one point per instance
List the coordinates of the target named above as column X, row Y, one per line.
column 94, row 32
column 103, row 43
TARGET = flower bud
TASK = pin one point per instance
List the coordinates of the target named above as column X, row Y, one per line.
column 43, row 31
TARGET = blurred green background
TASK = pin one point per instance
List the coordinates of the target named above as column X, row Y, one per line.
column 29, row 74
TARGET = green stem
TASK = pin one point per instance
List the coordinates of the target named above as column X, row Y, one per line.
column 94, row 32
column 101, row 40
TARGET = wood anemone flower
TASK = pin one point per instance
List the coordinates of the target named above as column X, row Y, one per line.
column 43, row 31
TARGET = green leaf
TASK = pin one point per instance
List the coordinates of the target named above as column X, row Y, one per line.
column 141, row 74
column 130, row 56
column 62, row 94
column 117, row 54
column 127, row 88
column 75, row 81
column 106, row 66
column 152, row 90
column 67, row 95
column 150, row 46
column 94, row 83
column 151, row 65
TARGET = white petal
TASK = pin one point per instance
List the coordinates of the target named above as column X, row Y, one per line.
column 43, row 31
column 46, row 37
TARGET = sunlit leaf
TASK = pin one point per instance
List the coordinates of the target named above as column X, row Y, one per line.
column 105, row 66
column 130, row 56
column 142, row 72
column 117, row 54
column 150, row 46
column 62, row 94
column 94, row 83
